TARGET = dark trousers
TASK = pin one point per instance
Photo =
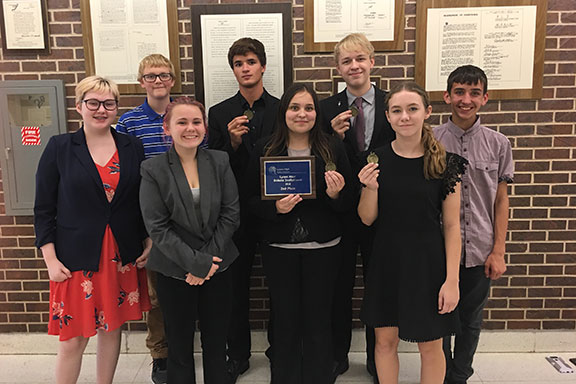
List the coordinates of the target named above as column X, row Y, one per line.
column 239, row 341
column 356, row 236
column 301, row 284
column 474, row 290
column 182, row 304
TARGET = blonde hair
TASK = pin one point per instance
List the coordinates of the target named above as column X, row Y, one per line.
column 154, row 60
column 354, row 42
column 96, row 84
column 434, row 152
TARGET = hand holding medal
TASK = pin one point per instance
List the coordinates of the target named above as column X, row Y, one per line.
column 368, row 175
column 334, row 180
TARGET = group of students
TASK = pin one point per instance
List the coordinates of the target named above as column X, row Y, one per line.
column 428, row 210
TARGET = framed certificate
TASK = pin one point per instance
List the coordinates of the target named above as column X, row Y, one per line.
column 327, row 21
column 24, row 26
column 281, row 176
column 118, row 34
column 215, row 27
column 506, row 38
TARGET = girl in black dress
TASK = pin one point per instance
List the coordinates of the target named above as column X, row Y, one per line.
column 413, row 198
column 300, row 240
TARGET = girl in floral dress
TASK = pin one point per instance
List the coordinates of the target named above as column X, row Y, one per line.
column 89, row 227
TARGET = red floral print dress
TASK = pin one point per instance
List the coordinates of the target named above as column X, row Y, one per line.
column 106, row 299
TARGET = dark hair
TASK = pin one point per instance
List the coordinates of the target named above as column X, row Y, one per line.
column 434, row 152
column 468, row 74
column 319, row 140
column 184, row 100
column 244, row 46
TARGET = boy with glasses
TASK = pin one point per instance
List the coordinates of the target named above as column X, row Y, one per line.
column 156, row 76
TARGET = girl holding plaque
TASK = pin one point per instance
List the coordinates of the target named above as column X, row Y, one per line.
column 300, row 239
column 190, row 206
column 414, row 194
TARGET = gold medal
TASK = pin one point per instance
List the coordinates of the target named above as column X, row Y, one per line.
column 354, row 110
column 249, row 114
column 372, row 158
column 330, row 166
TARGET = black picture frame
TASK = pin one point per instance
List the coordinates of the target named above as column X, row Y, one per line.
column 238, row 9
column 23, row 50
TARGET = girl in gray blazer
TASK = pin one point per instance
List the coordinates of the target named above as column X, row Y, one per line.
column 190, row 206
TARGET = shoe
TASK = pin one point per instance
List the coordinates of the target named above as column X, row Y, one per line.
column 235, row 368
column 338, row 368
column 159, row 371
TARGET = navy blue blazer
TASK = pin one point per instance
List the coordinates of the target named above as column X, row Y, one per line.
column 71, row 209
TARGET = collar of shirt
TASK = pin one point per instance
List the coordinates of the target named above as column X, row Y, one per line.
column 245, row 105
column 368, row 97
column 152, row 115
column 459, row 132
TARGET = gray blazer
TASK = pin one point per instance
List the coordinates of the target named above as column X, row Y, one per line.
column 185, row 239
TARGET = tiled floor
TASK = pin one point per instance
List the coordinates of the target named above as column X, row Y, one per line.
column 493, row 368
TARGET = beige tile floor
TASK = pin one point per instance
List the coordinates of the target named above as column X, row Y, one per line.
column 504, row 358
column 493, row 368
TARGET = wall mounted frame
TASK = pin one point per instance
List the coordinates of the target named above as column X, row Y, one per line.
column 506, row 38
column 324, row 28
column 214, row 29
column 24, row 26
column 113, row 36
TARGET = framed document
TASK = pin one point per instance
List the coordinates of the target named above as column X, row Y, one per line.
column 327, row 21
column 281, row 176
column 216, row 27
column 506, row 38
column 24, row 26
column 118, row 34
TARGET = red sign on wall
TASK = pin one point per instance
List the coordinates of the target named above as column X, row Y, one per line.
column 30, row 135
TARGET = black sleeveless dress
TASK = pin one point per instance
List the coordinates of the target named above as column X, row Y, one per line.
column 408, row 262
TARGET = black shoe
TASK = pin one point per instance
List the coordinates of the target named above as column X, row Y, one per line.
column 338, row 368
column 235, row 368
column 159, row 371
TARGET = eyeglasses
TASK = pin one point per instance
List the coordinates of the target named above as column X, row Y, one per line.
column 151, row 77
column 94, row 105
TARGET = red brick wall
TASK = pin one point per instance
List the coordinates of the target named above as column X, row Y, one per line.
column 539, row 289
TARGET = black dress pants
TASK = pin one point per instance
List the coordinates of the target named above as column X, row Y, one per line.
column 356, row 236
column 182, row 304
column 474, row 291
column 239, row 337
column 301, row 284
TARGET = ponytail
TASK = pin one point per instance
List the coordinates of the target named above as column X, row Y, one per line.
column 434, row 154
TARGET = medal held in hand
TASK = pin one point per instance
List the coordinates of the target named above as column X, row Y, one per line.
column 249, row 114
column 372, row 158
column 330, row 166
column 354, row 110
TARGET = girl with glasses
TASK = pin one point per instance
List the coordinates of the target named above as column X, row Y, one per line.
column 90, row 230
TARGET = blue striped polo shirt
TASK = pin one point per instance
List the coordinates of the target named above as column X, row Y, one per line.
column 144, row 123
